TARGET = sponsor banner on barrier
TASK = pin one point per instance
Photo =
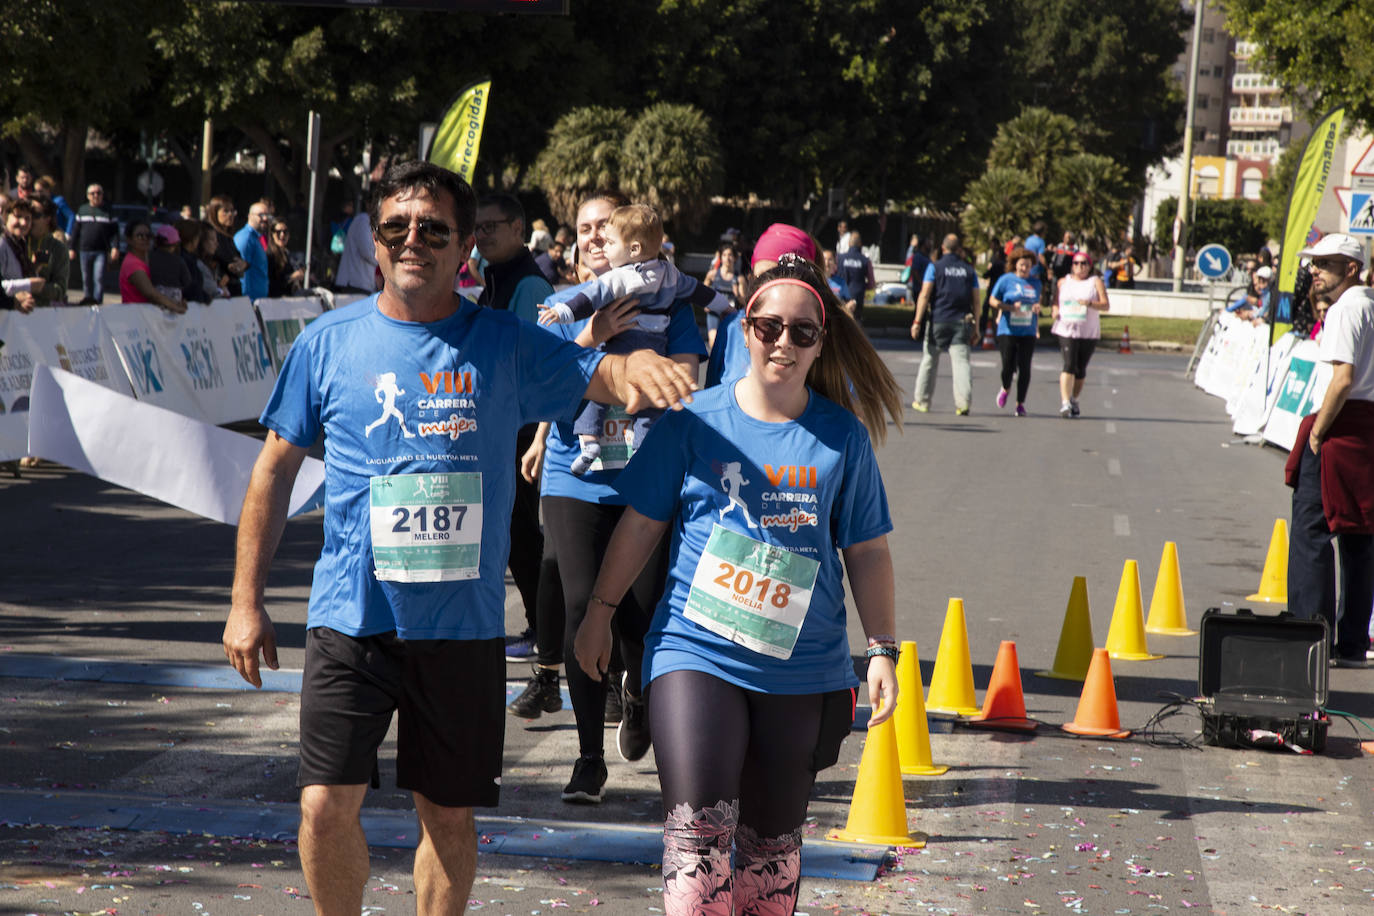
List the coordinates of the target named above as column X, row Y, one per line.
column 1301, row 392
column 192, row 465
column 1254, row 405
column 1252, row 342
column 211, row 363
column 1217, row 373
column 284, row 319
column 70, row 338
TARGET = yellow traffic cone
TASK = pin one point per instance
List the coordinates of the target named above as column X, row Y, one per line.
column 1126, row 637
column 1168, row 617
column 1075, row 652
column 951, row 683
column 1274, row 580
column 913, row 731
column 877, row 813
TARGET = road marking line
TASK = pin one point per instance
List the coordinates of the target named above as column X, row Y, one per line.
column 1111, row 428
column 1121, row 525
column 1114, row 467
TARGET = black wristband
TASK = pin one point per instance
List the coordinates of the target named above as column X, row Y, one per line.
column 886, row 651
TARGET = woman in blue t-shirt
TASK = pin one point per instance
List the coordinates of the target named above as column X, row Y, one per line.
column 763, row 484
column 1016, row 296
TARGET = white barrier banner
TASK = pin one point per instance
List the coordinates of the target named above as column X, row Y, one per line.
column 192, row 465
column 1209, row 365
column 1301, row 393
column 71, row 338
column 284, row 319
column 1251, row 344
column 211, row 363
column 1254, row 405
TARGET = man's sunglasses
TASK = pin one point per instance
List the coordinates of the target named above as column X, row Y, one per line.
column 804, row 334
column 433, row 233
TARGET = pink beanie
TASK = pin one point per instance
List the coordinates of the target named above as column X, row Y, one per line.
column 779, row 239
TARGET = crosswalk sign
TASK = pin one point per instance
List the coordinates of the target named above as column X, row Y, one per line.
column 1362, row 213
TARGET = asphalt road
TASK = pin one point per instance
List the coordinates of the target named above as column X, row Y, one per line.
column 152, row 784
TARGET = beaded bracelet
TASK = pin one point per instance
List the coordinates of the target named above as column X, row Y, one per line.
column 885, row 651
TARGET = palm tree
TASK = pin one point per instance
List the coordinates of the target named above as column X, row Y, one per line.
column 1091, row 194
column 1034, row 141
column 671, row 160
column 583, row 155
column 999, row 204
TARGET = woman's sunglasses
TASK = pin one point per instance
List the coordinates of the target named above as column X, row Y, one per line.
column 433, row 233
column 804, row 334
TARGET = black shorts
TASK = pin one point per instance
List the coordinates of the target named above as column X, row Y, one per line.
column 1075, row 352
column 450, row 695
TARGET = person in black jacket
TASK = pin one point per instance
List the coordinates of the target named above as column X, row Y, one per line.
column 94, row 243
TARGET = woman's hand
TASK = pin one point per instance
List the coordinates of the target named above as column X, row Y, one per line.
column 237, row 266
column 619, row 316
column 882, row 688
column 532, row 462
column 592, row 644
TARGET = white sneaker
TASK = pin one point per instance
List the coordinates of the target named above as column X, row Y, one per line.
column 1066, row 410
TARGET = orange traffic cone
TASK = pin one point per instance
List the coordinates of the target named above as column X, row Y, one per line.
column 951, row 683
column 1274, row 580
column 1125, row 340
column 990, row 336
column 1097, row 714
column 1167, row 614
column 1075, row 650
column 1126, row 636
column 913, row 728
column 877, row 813
column 1004, row 706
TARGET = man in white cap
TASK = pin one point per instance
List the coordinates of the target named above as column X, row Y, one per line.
column 1331, row 467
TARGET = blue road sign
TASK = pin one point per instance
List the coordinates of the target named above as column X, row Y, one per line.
column 1362, row 213
column 1213, row 261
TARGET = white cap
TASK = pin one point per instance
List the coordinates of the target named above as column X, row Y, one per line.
column 1336, row 243
column 1266, row 273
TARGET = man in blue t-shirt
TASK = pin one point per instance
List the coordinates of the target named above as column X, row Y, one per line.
column 418, row 394
column 948, row 291
column 251, row 242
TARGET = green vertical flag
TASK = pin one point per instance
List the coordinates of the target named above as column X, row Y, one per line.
column 1308, row 187
column 459, row 135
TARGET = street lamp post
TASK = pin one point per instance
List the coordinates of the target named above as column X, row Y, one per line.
column 1180, row 235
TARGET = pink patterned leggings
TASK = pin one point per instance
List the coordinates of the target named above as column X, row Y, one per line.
column 735, row 770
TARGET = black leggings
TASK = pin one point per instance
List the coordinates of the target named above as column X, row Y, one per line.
column 1016, row 357
column 548, row 630
column 526, row 539
column 716, row 742
column 580, row 532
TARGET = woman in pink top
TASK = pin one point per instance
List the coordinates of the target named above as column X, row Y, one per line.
column 134, row 283
column 1078, row 300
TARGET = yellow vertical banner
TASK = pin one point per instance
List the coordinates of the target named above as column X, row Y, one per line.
column 1308, row 187
column 459, row 134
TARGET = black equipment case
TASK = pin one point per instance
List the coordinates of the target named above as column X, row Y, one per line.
column 1263, row 679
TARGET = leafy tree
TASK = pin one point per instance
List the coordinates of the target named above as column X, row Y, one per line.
column 1236, row 224
column 671, row 160
column 1107, row 66
column 1092, row 195
column 583, row 154
column 1000, row 204
column 58, row 78
column 1318, row 51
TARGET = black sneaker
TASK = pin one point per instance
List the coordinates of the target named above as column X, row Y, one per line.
column 614, row 707
column 520, row 648
column 632, row 737
column 588, row 779
column 541, row 695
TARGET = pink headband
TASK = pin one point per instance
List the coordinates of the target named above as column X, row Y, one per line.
column 785, row 281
